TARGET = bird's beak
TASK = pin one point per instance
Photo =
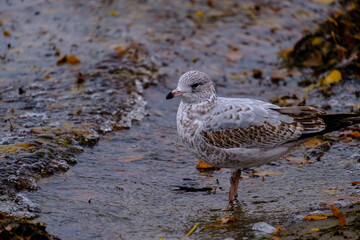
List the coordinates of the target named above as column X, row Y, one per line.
column 173, row 94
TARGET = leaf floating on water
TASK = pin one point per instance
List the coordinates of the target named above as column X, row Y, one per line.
column 315, row 217
column 263, row 173
column 355, row 183
column 340, row 215
column 333, row 77
column 131, row 158
column 324, row 1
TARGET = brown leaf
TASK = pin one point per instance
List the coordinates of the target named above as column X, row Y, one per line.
column 314, row 143
column 234, row 56
column 298, row 159
column 355, row 134
column 263, row 173
column 61, row 60
column 72, row 60
column 355, row 183
column 6, row 33
column 131, row 158
column 340, row 215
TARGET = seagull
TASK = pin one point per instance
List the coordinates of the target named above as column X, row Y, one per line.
column 240, row 133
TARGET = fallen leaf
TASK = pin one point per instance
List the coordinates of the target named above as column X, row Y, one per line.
column 61, row 60
column 339, row 214
column 263, row 173
column 333, row 77
column 316, row 41
column 6, row 33
column 131, row 158
column 315, row 217
column 355, row 134
column 314, row 143
column 203, row 165
column 234, row 56
column 355, row 183
column 298, row 159
column 324, row 1
column 72, row 60
column 199, row 14
column 315, row 229
column 278, row 229
column 113, row 14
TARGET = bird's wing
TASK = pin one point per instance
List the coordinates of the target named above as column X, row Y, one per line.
column 255, row 124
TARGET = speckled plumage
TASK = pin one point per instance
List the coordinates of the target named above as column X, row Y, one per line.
column 239, row 132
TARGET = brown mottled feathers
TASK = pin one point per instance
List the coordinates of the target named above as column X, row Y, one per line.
column 306, row 122
column 263, row 136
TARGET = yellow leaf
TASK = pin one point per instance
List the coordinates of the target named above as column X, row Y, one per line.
column 113, row 14
column 333, row 77
column 324, row 1
column 332, row 21
column 200, row 14
column 131, row 158
column 203, row 165
column 315, row 229
column 339, row 214
column 314, row 143
column 315, row 217
column 72, row 60
column 316, row 41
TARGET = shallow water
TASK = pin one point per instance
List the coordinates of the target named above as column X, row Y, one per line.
column 102, row 197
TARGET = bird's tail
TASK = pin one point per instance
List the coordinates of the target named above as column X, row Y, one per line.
column 337, row 121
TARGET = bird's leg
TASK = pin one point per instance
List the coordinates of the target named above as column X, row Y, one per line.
column 234, row 183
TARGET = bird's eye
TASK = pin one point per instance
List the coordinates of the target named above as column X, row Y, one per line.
column 194, row 85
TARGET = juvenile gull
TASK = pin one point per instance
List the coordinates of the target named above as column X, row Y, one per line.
column 240, row 133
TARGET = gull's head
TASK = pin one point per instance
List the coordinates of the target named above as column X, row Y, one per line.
column 193, row 87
